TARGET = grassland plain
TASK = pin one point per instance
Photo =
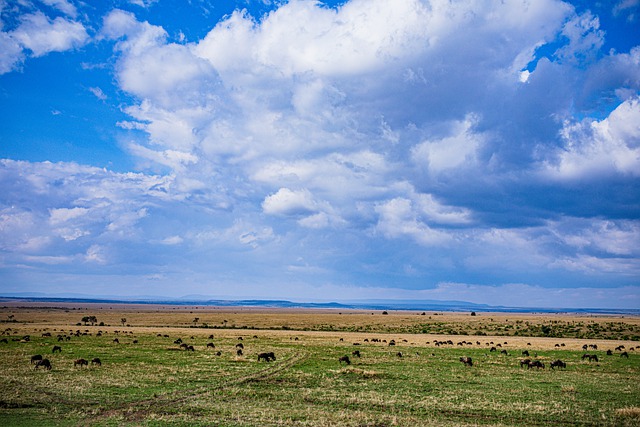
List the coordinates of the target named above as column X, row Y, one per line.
column 148, row 379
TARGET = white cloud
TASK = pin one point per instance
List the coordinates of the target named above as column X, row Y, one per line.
column 42, row 35
column 450, row 152
column 290, row 202
column 593, row 149
column 64, row 6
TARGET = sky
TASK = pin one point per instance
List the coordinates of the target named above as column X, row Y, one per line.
column 482, row 151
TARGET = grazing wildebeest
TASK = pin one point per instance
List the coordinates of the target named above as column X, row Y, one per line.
column 399, row 354
column 356, row 353
column 4, row 341
column 536, row 364
column 558, row 363
column 609, row 352
column 525, row 353
column 116, row 340
column 493, row 349
column 344, row 359
column 620, row 348
column 96, row 361
column 211, row 336
column 212, row 345
column 185, row 346
column 56, row 348
column 218, row 353
column 466, row 360
column 135, row 341
column 81, row 362
column 36, row 358
column 190, row 348
column 178, row 341
column 504, row 352
column 239, row 352
column 624, row 354
column 44, row 363
column 525, row 362
column 591, row 357
column 267, row 356
column 239, row 345
column 584, row 347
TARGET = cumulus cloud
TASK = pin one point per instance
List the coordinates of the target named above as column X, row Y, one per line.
column 593, row 149
column 41, row 35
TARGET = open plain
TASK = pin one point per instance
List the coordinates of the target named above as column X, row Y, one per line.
column 200, row 365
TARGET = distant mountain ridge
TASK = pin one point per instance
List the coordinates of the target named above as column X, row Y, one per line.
column 375, row 304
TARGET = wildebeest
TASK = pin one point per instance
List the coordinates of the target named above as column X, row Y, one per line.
column 190, row 348
column 178, row 341
column 96, row 361
column 81, row 362
column 36, row 358
column 609, row 352
column 356, row 353
column 493, row 349
column 239, row 352
column 536, row 364
column 211, row 345
column 239, row 345
column 399, row 354
column 267, row 356
column 624, row 354
column 344, row 359
column 591, row 357
column 4, row 341
column 116, row 340
column 56, row 348
column 558, row 363
column 525, row 362
column 45, row 363
column 504, row 352
column 466, row 360
column 525, row 353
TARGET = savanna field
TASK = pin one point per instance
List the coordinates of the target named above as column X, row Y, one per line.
column 199, row 366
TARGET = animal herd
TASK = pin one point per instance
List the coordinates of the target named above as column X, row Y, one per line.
column 40, row 362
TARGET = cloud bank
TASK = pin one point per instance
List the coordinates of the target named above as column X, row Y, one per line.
column 374, row 144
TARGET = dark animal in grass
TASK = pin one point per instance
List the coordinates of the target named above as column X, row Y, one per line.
column 239, row 345
column 4, row 341
column 466, row 360
column 190, row 348
column 536, row 364
column 218, row 353
column 178, row 341
column 239, row 352
column 96, row 361
column 525, row 362
column 609, row 353
column 504, row 352
column 211, row 345
column 56, row 348
column 356, row 353
column 116, row 340
column 36, row 358
column 493, row 349
column 344, row 359
column 591, row 357
column 525, row 353
column 80, row 362
column 624, row 354
column 45, row 363
column 558, row 364
column 399, row 354
column 267, row 356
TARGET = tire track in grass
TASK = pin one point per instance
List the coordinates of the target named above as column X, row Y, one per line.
column 139, row 410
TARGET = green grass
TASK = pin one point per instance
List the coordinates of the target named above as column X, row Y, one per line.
column 154, row 383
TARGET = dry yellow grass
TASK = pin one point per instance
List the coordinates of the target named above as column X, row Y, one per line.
column 321, row 325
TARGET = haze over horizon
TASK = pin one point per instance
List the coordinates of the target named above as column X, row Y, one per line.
column 479, row 151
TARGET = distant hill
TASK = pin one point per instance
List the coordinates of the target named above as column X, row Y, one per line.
column 400, row 305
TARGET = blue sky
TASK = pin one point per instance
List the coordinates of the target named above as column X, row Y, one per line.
column 478, row 151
